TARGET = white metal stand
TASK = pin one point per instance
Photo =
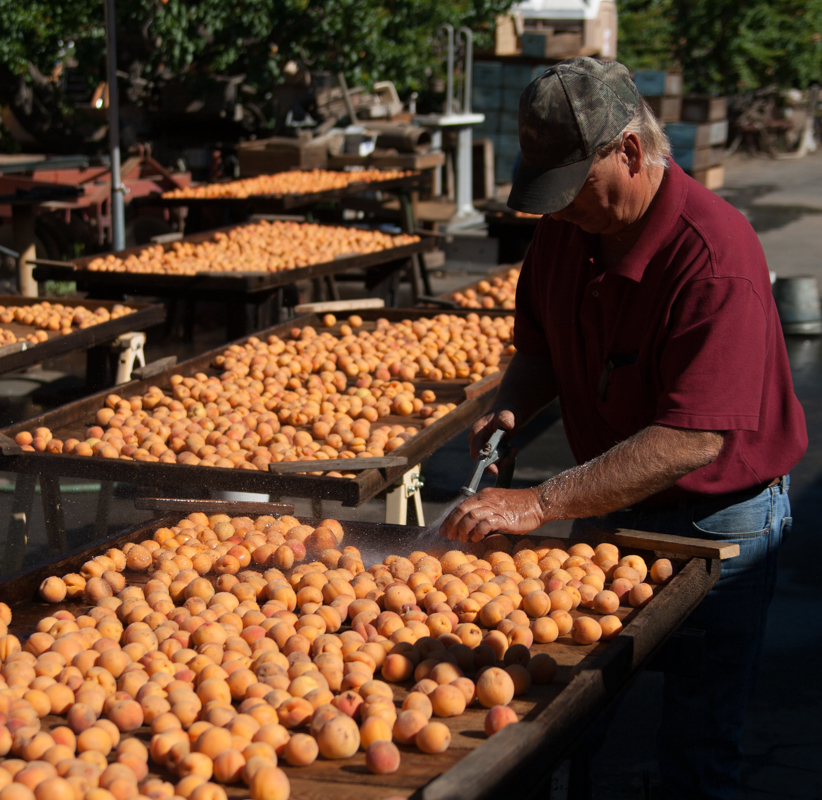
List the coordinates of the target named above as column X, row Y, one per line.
column 131, row 349
column 396, row 500
column 466, row 215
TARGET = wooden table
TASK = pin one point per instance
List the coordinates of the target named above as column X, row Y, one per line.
column 521, row 757
column 472, row 400
column 514, row 232
column 93, row 339
column 238, row 290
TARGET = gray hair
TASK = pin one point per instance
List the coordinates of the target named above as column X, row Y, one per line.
column 656, row 149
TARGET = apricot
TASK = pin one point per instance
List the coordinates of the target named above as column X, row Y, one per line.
column 435, row 737
column 53, row 590
column 397, row 668
column 408, row 724
column 301, row 750
column 611, row 627
column 661, row 571
column 447, row 701
column 339, row 738
column 375, row 728
column 228, row 766
column 640, row 595
column 606, row 602
column 382, row 757
column 268, row 783
column 563, row 620
column 495, row 688
column 497, row 718
column 586, row 630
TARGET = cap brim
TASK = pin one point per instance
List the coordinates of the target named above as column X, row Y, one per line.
column 545, row 191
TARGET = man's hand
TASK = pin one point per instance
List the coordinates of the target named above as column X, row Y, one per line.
column 481, row 432
column 503, row 510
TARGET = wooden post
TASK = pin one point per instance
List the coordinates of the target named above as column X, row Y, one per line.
column 22, row 221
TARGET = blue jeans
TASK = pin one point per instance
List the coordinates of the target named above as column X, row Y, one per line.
column 699, row 740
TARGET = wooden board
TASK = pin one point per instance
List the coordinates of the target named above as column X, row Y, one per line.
column 15, row 356
column 552, row 717
column 72, row 420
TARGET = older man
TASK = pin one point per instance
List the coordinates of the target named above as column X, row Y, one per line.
column 645, row 305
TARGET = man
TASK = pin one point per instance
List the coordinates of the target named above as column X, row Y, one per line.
column 645, row 305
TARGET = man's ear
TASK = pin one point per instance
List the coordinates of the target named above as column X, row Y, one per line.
column 632, row 153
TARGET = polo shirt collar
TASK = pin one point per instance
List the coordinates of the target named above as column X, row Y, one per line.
column 659, row 224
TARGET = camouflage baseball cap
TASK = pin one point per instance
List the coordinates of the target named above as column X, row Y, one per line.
column 565, row 116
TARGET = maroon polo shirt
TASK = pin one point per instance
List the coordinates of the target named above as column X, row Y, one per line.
column 682, row 332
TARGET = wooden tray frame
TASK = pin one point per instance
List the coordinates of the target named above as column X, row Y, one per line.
column 523, row 755
column 473, row 400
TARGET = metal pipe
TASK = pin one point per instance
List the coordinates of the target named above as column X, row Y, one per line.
column 469, row 68
column 118, row 226
column 449, row 85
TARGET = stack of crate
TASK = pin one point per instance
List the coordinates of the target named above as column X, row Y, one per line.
column 663, row 91
column 698, row 140
column 497, row 87
column 697, row 126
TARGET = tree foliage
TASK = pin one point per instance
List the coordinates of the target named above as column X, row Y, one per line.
column 725, row 46
column 365, row 39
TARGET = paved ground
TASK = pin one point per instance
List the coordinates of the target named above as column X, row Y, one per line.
column 783, row 200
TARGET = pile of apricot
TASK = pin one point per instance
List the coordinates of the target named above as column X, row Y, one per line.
column 497, row 292
column 309, row 397
column 257, row 664
column 259, row 247
column 293, row 182
column 55, row 317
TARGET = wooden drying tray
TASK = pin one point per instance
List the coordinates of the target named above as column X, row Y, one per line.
column 446, row 300
column 275, row 203
column 553, row 717
column 214, row 285
column 472, row 399
column 24, row 354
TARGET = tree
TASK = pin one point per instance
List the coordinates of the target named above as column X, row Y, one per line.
column 725, row 46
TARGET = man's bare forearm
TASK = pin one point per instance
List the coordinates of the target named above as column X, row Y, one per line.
column 526, row 387
column 643, row 465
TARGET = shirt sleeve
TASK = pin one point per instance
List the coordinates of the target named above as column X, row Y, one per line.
column 713, row 360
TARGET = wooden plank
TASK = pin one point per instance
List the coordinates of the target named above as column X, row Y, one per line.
column 357, row 304
column 233, row 507
column 346, row 464
column 699, row 548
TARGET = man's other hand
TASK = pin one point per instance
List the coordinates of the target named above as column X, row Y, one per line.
column 482, row 429
column 504, row 510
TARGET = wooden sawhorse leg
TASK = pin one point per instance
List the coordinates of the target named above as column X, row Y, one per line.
column 396, row 499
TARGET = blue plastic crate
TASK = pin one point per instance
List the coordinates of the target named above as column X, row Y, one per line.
column 486, row 98
column 487, row 73
column 650, row 83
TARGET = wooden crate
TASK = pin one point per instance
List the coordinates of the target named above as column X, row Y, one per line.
column 666, row 109
column 712, row 178
column 702, row 108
